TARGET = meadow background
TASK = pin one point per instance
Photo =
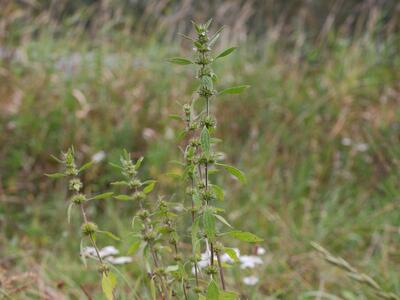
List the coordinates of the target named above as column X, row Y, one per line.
column 317, row 133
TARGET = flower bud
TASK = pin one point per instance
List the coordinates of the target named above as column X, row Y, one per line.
column 78, row 199
column 75, row 184
column 89, row 228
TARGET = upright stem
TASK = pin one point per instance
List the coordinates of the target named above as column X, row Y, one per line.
column 221, row 271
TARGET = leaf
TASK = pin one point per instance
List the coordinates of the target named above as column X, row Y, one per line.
column 222, row 219
column 195, row 240
column 173, row 268
column 115, row 166
column 180, row 61
column 175, row 117
column 213, row 40
column 109, row 234
column 139, row 163
column 218, row 191
column 120, row 183
column 209, row 223
column 55, row 175
column 212, row 291
column 205, row 141
column 123, row 197
column 235, row 172
column 108, row 283
column 69, row 212
column 226, row 52
column 149, row 187
column 234, row 90
column 245, row 236
column 232, row 254
column 102, row 196
column 134, row 247
column 86, row 166
column 228, row 295
column 56, row 159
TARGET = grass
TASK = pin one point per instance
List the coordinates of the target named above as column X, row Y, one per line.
column 317, row 135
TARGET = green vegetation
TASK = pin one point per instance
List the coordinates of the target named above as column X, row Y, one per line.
column 317, row 135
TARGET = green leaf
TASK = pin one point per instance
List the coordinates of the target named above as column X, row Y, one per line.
column 228, row 295
column 205, row 141
column 235, row 172
column 115, row 166
column 218, row 191
column 134, row 247
column 213, row 40
column 139, row 163
column 57, row 159
column 195, row 240
column 222, row 219
column 234, row 90
column 149, row 187
column 120, row 183
column 109, row 234
column 226, row 52
column 209, row 223
column 172, row 268
column 69, row 212
column 123, row 197
column 232, row 254
column 108, row 283
column 175, row 117
column 86, row 166
column 245, row 236
column 212, row 291
column 102, row 196
column 55, row 175
column 180, row 61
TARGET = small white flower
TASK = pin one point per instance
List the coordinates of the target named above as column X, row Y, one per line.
column 119, row 260
column 261, row 251
column 148, row 133
column 361, row 147
column 250, row 280
column 109, row 250
column 250, row 261
column 99, row 156
column 346, row 141
column 88, row 251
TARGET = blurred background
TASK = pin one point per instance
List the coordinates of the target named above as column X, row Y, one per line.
column 317, row 134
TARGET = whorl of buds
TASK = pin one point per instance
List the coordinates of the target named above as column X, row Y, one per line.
column 75, row 184
column 78, row 199
column 89, row 228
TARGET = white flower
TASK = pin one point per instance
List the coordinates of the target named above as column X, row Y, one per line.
column 361, row 147
column 250, row 280
column 88, row 251
column 250, row 261
column 119, row 260
column 99, row 156
column 261, row 251
column 346, row 141
column 109, row 250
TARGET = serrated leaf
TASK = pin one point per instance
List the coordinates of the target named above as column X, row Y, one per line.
column 218, row 191
column 212, row 291
column 69, row 212
column 86, row 166
column 234, row 171
column 232, row 254
column 180, row 61
column 109, row 234
column 245, row 236
column 102, row 196
column 209, row 223
column 108, row 283
column 123, row 197
column 149, row 187
column 205, row 141
column 223, row 220
column 226, row 52
column 55, row 175
column 134, row 247
column 234, row 90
